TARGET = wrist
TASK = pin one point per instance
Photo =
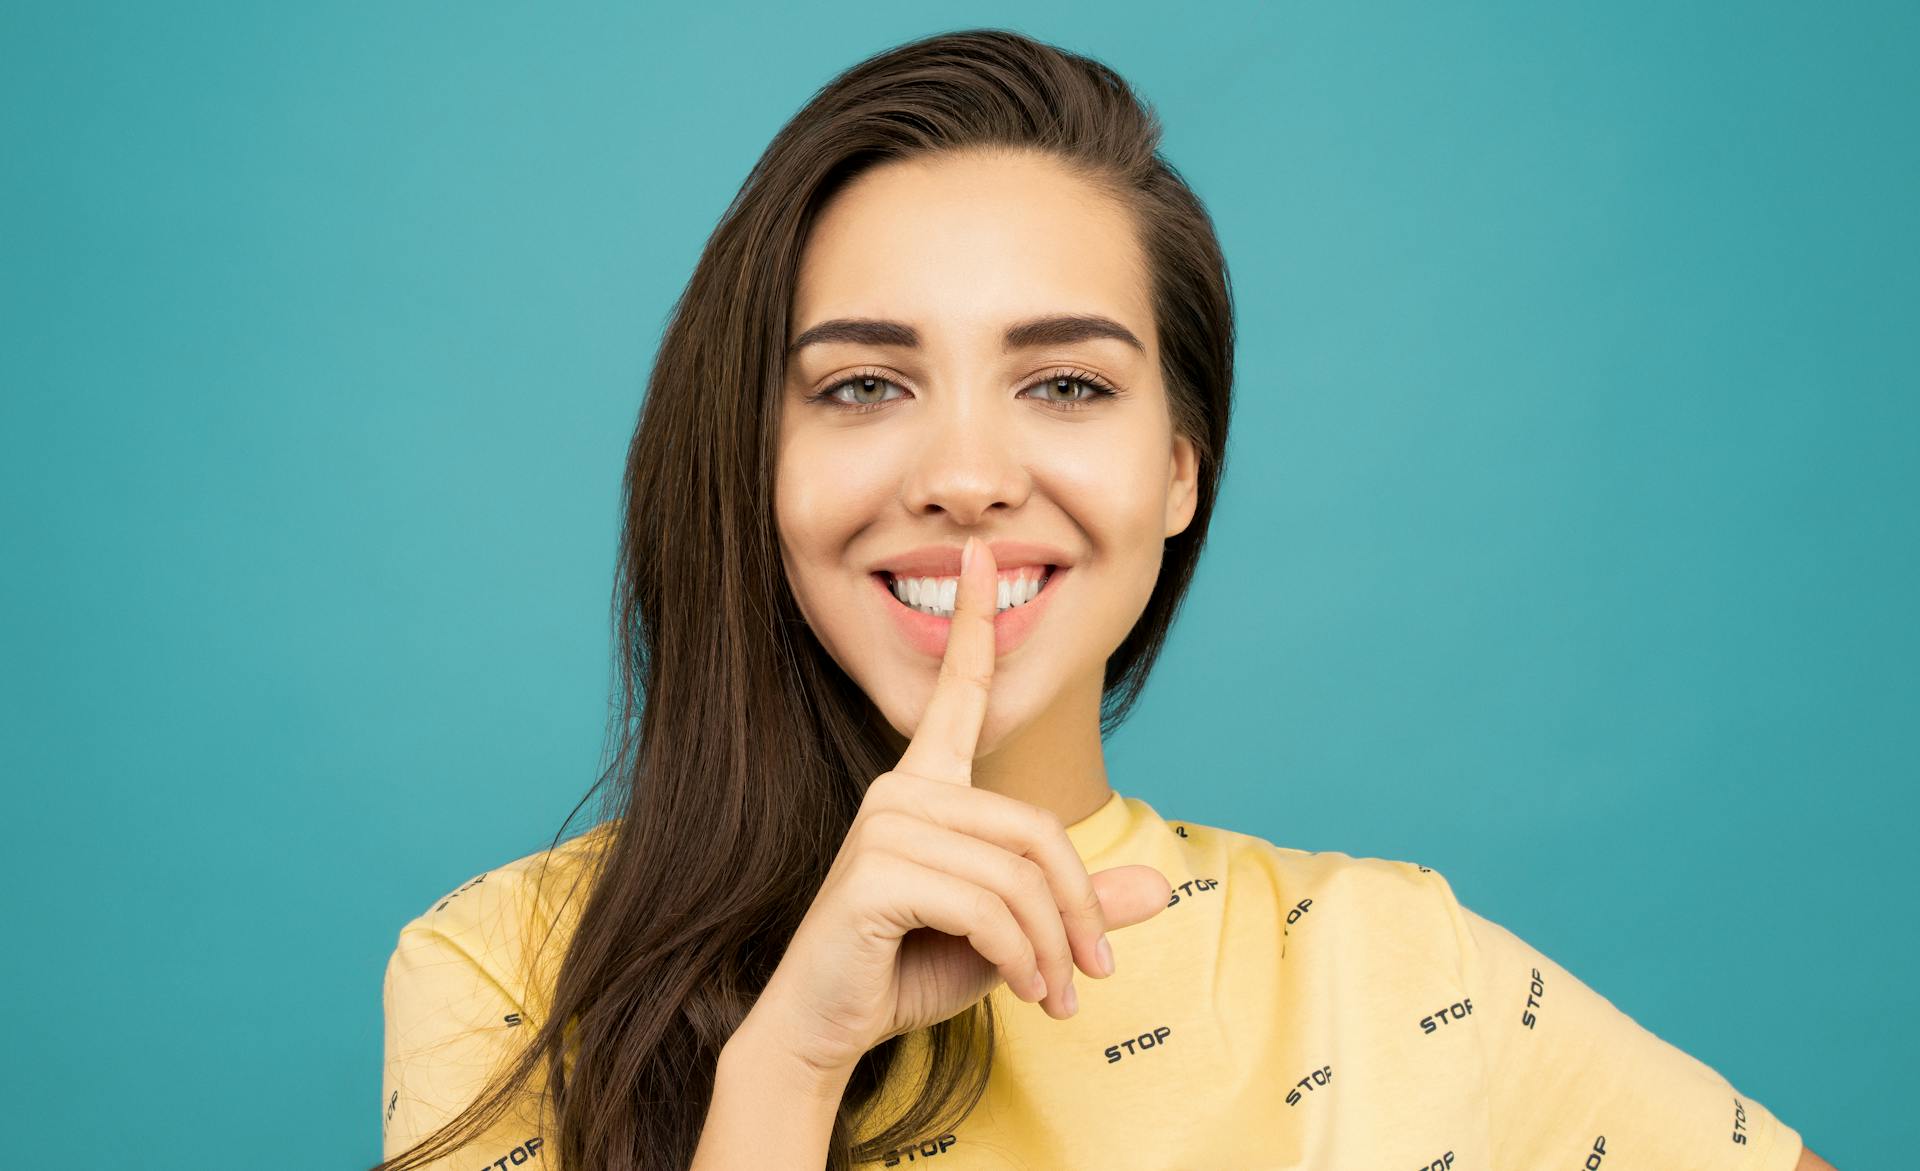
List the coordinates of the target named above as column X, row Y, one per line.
column 766, row 1098
column 764, row 1052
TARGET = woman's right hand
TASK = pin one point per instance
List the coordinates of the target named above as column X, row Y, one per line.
column 941, row 891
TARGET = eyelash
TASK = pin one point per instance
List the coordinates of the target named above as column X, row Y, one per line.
column 1100, row 387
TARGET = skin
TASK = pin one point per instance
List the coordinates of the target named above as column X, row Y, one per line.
column 970, row 439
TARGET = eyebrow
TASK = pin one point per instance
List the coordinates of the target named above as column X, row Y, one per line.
column 1056, row 330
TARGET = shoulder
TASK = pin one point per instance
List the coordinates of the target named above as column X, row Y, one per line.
column 1344, row 891
column 497, row 920
column 532, row 881
column 1299, row 868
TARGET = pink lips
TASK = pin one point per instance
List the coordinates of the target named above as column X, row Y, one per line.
column 944, row 560
column 928, row 634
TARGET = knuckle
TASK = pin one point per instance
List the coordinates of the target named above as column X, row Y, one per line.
column 987, row 906
column 1024, row 877
column 862, row 870
column 1025, row 959
column 879, row 865
column 907, row 790
column 1090, row 902
column 913, row 796
column 884, row 789
column 885, row 823
column 1059, row 959
column 1031, row 878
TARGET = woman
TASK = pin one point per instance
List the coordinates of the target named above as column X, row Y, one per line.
column 923, row 471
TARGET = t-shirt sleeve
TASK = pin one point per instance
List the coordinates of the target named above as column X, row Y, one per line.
column 449, row 1024
column 1572, row 1078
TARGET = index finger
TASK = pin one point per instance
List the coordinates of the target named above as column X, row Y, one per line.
column 943, row 743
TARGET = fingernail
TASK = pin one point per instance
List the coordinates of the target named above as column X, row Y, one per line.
column 1070, row 1000
column 1104, row 952
column 966, row 555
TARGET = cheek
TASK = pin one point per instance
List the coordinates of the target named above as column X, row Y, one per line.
column 1116, row 494
column 1117, row 497
column 820, row 509
column 821, row 500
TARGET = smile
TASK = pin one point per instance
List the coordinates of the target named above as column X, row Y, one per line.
column 935, row 595
column 1024, row 598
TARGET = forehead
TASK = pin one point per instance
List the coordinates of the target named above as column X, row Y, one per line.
column 961, row 244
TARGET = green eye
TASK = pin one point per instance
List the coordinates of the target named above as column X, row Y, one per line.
column 1094, row 389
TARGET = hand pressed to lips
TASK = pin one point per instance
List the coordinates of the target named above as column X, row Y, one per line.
column 943, row 748
column 942, row 890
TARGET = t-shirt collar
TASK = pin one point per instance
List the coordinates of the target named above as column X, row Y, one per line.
column 1100, row 829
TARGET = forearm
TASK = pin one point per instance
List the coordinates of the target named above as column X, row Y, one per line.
column 769, row 1111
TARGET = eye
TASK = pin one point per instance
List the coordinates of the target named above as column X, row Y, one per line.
column 1095, row 387
column 862, row 384
column 867, row 390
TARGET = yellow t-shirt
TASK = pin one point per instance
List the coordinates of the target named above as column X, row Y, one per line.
column 1289, row 1009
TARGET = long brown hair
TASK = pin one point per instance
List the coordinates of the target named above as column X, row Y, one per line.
column 740, row 750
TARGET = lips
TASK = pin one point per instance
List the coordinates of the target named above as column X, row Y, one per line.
column 928, row 633
column 944, row 560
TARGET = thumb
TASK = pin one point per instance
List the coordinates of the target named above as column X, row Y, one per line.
column 1131, row 894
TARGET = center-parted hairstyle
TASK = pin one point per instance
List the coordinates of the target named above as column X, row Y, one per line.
column 740, row 751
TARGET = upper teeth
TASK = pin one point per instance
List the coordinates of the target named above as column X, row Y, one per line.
column 934, row 595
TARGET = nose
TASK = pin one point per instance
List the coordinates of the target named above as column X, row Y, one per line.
column 970, row 460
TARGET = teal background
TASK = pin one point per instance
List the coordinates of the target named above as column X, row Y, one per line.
column 1568, row 543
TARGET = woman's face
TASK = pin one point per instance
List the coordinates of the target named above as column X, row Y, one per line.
column 935, row 428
